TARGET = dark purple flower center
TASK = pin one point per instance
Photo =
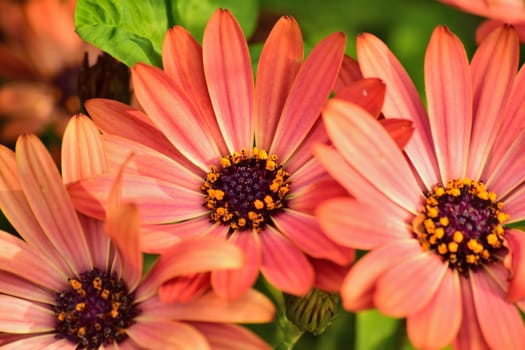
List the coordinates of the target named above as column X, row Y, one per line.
column 462, row 222
column 94, row 310
column 246, row 190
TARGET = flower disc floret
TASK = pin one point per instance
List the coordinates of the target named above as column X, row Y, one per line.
column 94, row 310
column 246, row 190
column 462, row 222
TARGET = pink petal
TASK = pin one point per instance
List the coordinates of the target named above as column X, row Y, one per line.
column 278, row 65
column 494, row 67
column 251, row 307
column 284, row 265
column 230, row 337
column 437, row 323
column 46, row 341
column 401, row 101
column 158, row 201
column 231, row 284
column 148, row 162
column 182, row 289
column 308, row 95
column 160, row 97
column 307, row 198
column 515, row 204
column 118, row 119
column 401, row 130
column 17, row 210
column 167, row 335
column 306, row 174
column 304, row 231
column 328, row 275
column 98, row 241
column 407, row 287
column 349, row 73
column 368, row 93
column 469, row 335
column 182, row 62
column 228, row 72
column 356, row 135
column 20, row 287
column 190, row 256
column 500, row 321
column 359, row 285
column 358, row 225
column 516, row 243
column 50, row 202
column 18, row 258
column 83, row 155
column 21, row 316
column 449, row 96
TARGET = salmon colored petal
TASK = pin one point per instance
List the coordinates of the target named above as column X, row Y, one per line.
column 358, row 287
column 182, row 289
column 46, row 341
column 469, row 335
column 119, row 119
column 303, row 154
column 191, row 256
column 230, row 337
column 158, row 201
column 328, row 275
column 307, row 198
column 355, row 134
column 228, row 72
column 401, row 101
column 284, row 265
column 172, row 112
column 305, row 232
column 349, row 73
column 278, row 65
column 368, row 93
column 516, row 242
column 182, row 62
column 21, row 316
column 449, row 99
column 515, row 204
column 500, row 321
column 148, row 162
column 507, row 174
column 358, row 225
column 251, row 307
column 50, row 202
column 17, row 210
column 308, row 95
column 491, row 85
column 20, row 287
column 306, row 171
column 401, row 130
column 83, row 154
column 167, row 335
column 407, row 287
column 437, row 323
column 99, row 242
column 18, row 258
column 231, row 284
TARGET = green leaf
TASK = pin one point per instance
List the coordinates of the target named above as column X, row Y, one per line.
column 377, row 331
column 194, row 14
column 129, row 30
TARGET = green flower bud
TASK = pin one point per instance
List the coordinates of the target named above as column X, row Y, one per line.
column 312, row 313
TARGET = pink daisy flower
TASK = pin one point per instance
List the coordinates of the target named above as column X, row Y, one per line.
column 436, row 216
column 219, row 155
column 498, row 12
column 67, row 285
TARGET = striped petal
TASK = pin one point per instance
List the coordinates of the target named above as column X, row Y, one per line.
column 449, row 96
column 278, row 65
column 21, row 316
column 230, row 337
column 167, row 335
column 516, row 243
column 368, row 93
column 228, row 72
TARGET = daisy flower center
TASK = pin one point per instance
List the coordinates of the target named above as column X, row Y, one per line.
column 462, row 221
column 94, row 310
column 246, row 190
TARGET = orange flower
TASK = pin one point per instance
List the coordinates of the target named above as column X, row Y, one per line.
column 76, row 282
column 40, row 58
column 498, row 12
column 435, row 216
